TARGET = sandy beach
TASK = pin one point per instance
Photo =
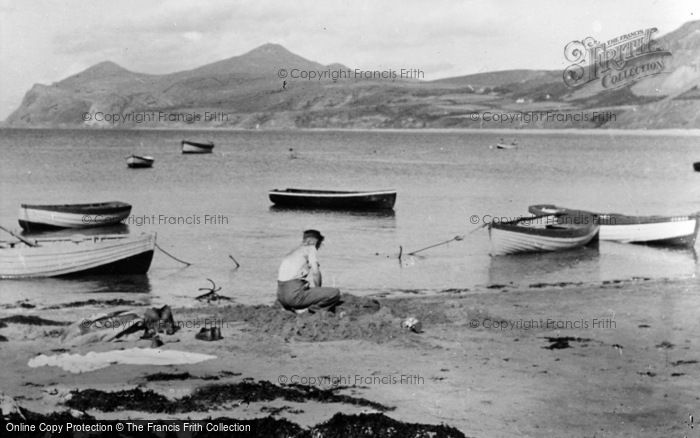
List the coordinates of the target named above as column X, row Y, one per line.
column 616, row 358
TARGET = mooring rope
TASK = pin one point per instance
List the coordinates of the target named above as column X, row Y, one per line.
column 172, row 256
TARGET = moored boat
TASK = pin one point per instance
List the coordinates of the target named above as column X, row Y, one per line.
column 76, row 255
column 139, row 161
column 196, row 147
column 539, row 234
column 696, row 166
column 332, row 199
column 33, row 217
column 506, row 146
column 648, row 230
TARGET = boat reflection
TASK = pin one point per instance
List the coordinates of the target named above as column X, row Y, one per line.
column 545, row 267
column 610, row 261
column 385, row 213
column 112, row 283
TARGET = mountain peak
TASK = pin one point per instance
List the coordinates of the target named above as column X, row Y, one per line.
column 106, row 68
column 269, row 49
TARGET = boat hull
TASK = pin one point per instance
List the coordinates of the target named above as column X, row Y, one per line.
column 696, row 166
column 107, row 254
column 192, row 147
column 53, row 217
column 644, row 230
column 514, row 239
column 334, row 200
column 138, row 162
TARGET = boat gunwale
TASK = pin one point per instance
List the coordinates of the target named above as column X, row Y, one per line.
column 209, row 145
column 111, row 207
column 141, row 157
column 604, row 219
column 84, row 238
column 565, row 231
column 330, row 193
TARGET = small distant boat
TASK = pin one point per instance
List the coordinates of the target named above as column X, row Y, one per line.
column 195, row 147
column 76, row 255
column 48, row 217
column 338, row 200
column 539, row 234
column 139, row 161
column 696, row 166
column 506, row 146
column 647, row 230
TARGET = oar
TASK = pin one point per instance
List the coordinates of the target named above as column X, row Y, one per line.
column 28, row 242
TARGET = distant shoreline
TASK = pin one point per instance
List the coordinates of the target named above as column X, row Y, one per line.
column 595, row 131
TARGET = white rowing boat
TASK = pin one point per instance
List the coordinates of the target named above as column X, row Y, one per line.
column 77, row 255
column 649, row 230
column 139, row 161
column 540, row 234
column 196, row 147
column 36, row 217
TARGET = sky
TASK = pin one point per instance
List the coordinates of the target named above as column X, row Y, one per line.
column 44, row 41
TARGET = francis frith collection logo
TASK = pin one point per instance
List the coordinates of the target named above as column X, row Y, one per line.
column 615, row 63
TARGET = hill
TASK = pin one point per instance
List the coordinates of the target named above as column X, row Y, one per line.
column 251, row 91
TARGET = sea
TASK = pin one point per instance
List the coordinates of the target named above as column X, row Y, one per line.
column 211, row 209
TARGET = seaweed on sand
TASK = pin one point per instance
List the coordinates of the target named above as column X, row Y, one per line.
column 203, row 398
column 379, row 426
column 339, row 426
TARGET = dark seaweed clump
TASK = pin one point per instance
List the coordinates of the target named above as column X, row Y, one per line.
column 379, row 426
column 560, row 343
column 164, row 377
column 93, row 302
column 205, row 397
column 31, row 320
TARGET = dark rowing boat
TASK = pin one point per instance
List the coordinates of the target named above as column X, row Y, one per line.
column 336, row 200
column 47, row 217
column 196, row 147
column 139, row 161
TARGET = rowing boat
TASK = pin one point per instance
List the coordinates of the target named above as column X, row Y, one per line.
column 648, row 230
column 539, row 234
column 196, row 147
column 332, row 199
column 139, row 161
column 34, row 217
column 76, row 255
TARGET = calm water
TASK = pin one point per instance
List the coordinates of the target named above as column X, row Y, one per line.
column 442, row 180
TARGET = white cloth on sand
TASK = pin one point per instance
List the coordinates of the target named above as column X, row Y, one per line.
column 80, row 363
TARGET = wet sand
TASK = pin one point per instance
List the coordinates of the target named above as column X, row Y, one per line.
column 618, row 358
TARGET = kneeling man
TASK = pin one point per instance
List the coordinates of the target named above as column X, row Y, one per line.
column 299, row 278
